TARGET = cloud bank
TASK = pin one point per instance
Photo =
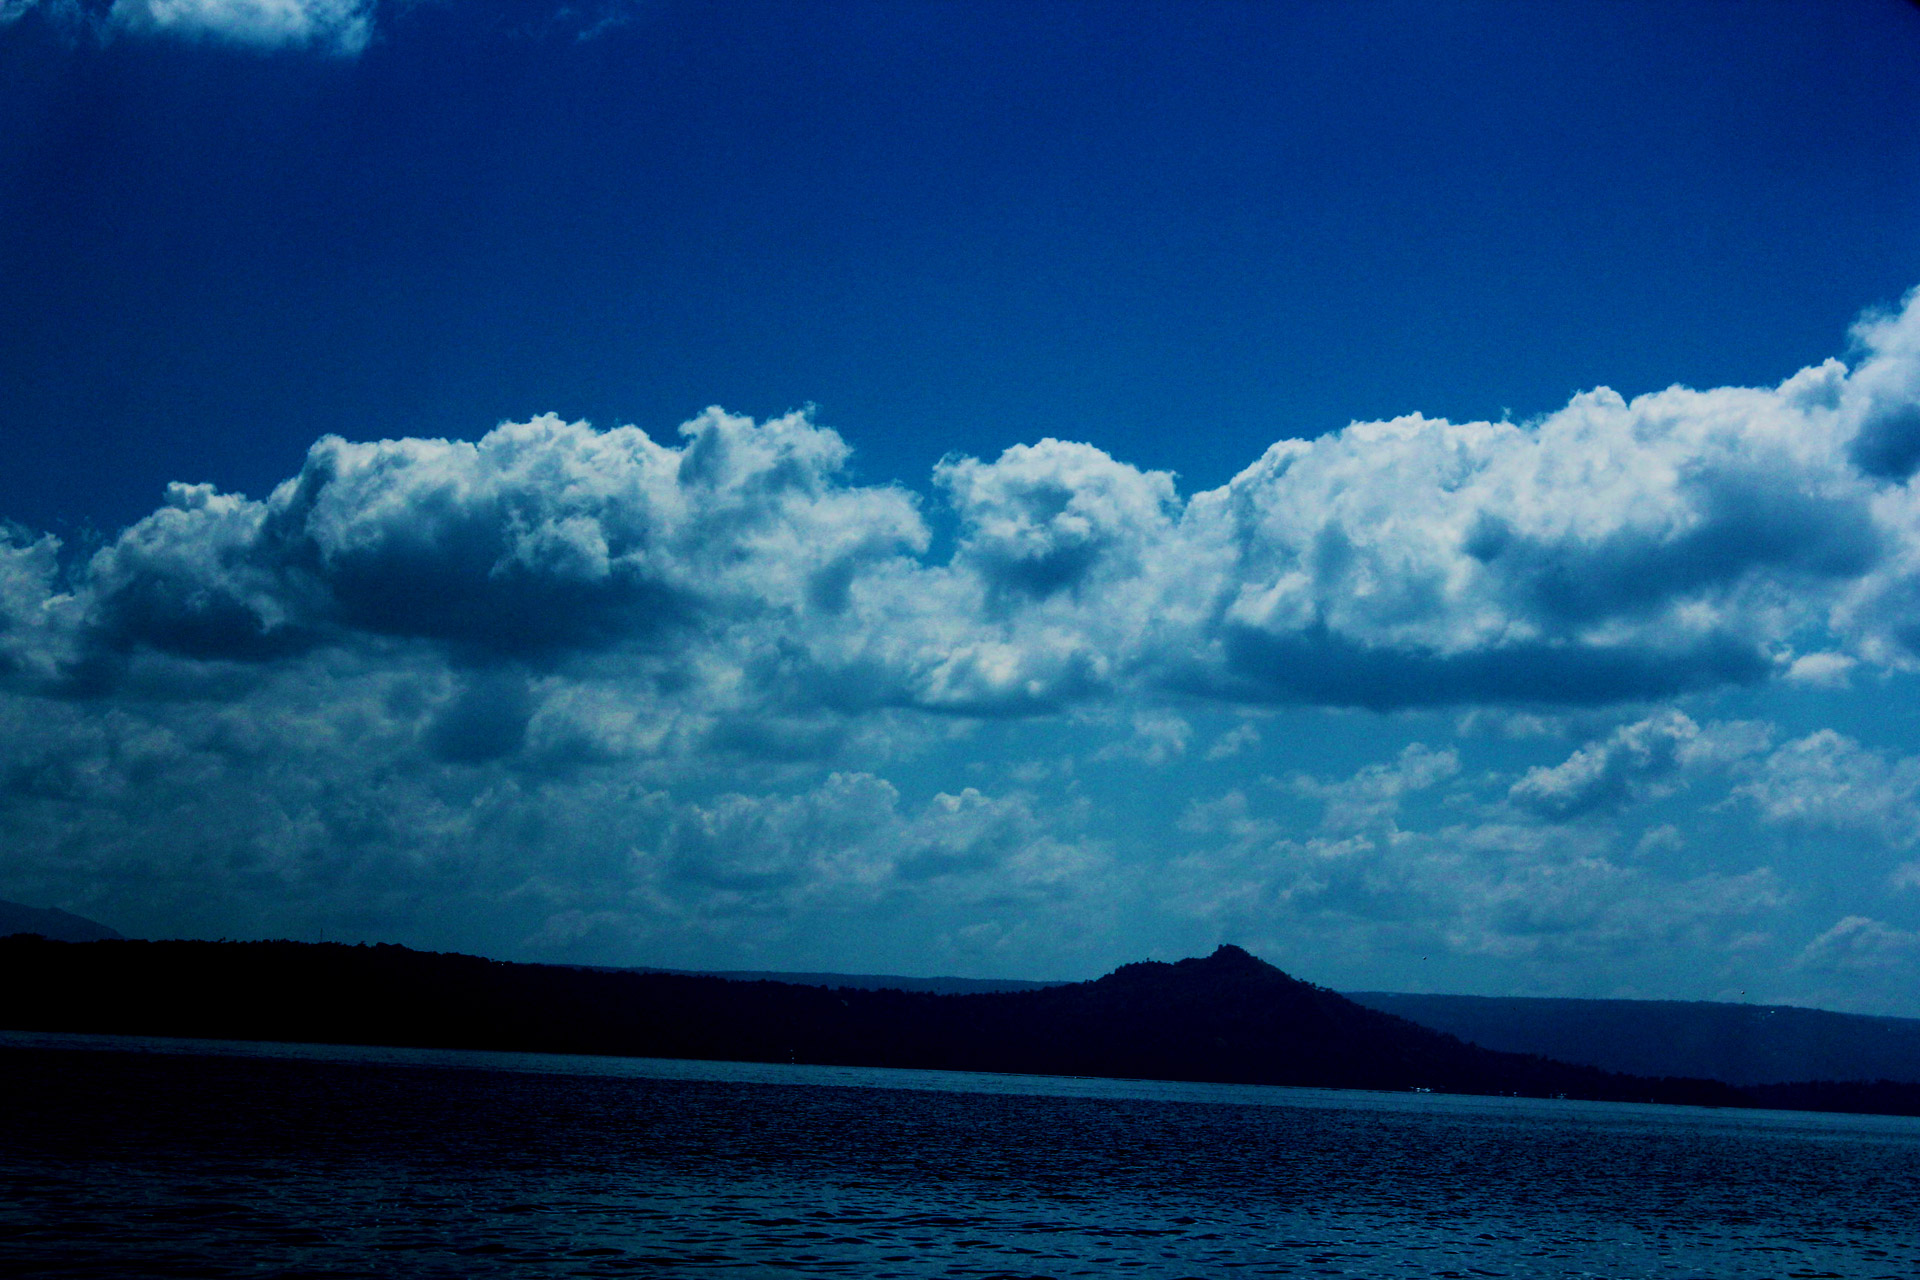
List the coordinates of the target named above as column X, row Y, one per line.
column 1611, row 551
column 594, row 693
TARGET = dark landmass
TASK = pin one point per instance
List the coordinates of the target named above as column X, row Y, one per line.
column 1741, row 1044
column 1866, row 1097
column 1228, row 1018
column 860, row 981
column 51, row 922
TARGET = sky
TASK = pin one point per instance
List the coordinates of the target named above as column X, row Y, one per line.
column 1424, row 492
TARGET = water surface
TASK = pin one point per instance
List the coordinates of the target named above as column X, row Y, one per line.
column 155, row 1157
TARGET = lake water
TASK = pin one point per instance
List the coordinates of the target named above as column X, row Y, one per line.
column 127, row 1157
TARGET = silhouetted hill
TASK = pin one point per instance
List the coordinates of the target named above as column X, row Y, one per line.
column 1229, row 1017
column 862, row 981
column 1741, row 1044
column 51, row 922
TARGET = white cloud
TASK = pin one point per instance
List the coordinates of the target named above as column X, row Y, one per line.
column 1827, row 779
column 1858, row 944
column 733, row 568
column 1241, row 737
column 1593, row 906
column 334, row 26
column 34, row 635
column 1067, row 579
column 1821, row 670
column 1663, row 840
column 1611, row 550
column 1157, row 737
column 1647, row 758
column 1880, row 403
column 331, row 27
column 849, row 839
column 1371, row 797
column 1056, row 518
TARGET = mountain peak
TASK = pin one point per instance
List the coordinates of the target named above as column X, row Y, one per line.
column 1228, row 959
column 1229, row 964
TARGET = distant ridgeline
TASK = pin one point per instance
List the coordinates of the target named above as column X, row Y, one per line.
column 1740, row 1043
column 51, row 922
column 864, row 981
column 1229, row 1018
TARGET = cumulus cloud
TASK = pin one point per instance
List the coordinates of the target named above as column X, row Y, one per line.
column 1157, row 737
column 334, row 26
column 31, row 637
column 547, row 536
column 1612, row 550
column 1821, row 670
column 543, row 541
column 1860, row 963
column 1055, row 518
column 1828, row 780
column 1372, row 796
column 850, row 837
column 1241, row 737
column 1595, row 907
column 1859, row 944
column 1637, row 760
column 342, row 28
column 1882, row 399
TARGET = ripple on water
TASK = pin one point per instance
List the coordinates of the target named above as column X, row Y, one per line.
column 167, row 1164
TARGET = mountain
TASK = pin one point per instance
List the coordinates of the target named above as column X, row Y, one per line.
column 51, row 922
column 1229, row 1017
column 1741, row 1044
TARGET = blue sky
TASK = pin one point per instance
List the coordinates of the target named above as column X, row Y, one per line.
column 1421, row 491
